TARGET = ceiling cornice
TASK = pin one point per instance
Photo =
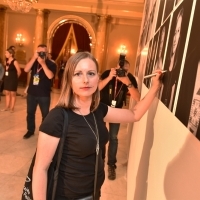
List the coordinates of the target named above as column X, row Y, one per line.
column 132, row 9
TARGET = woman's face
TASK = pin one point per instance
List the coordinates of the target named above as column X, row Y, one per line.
column 177, row 34
column 7, row 54
column 85, row 78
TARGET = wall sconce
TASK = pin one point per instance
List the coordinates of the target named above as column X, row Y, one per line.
column 90, row 37
column 122, row 50
column 20, row 40
column 73, row 51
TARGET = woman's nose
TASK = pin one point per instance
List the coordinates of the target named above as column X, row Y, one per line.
column 85, row 78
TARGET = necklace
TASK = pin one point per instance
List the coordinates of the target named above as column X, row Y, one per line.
column 95, row 134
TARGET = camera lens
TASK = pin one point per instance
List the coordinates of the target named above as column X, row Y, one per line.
column 42, row 54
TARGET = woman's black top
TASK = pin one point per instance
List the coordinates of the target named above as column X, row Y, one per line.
column 11, row 81
column 77, row 167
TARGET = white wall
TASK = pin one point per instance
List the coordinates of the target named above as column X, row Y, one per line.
column 164, row 158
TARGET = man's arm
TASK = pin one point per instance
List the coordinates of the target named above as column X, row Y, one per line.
column 134, row 93
column 29, row 65
column 104, row 81
column 131, row 87
column 47, row 71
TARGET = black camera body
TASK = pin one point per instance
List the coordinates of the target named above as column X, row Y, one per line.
column 42, row 54
column 121, row 72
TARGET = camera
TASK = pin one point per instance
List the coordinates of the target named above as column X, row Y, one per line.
column 121, row 72
column 42, row 54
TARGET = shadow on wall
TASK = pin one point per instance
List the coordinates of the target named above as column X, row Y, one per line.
column 143, row 168
column 182, row 176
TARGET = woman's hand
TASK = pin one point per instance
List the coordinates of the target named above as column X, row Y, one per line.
column 156, row 80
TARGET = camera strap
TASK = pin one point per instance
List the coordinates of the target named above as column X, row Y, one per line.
column 115, row 91
column 38, row 68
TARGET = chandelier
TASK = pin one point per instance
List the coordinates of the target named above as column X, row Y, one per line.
column 23, row 6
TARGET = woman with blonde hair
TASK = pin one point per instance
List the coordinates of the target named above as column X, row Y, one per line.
column 80, row 97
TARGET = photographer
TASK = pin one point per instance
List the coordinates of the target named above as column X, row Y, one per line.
column 114, row 85
column 42, row 71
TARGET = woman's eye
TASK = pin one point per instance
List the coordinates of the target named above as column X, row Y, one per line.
column 91, row 73
column 77, row 74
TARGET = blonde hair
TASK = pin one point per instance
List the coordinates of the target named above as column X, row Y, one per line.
column 66, row 98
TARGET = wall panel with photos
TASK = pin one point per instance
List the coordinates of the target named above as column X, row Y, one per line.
column 169, row 40
column 164, row 155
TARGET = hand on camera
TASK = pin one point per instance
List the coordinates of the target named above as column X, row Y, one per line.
column 112, row 73
column 35, row 55
column 41, row 60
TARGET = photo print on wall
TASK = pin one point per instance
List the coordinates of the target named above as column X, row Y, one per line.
column 188, row 104
column 174, row 56
column 137, row 65
column 178, row 1
column 160, row 13
column 194, row 117
column 159, row 62
column 151, row 60
column 169, row 5
column 148, row 23
column 181, row 59
column 163, row 33
column 141, row 63
column 148, row 61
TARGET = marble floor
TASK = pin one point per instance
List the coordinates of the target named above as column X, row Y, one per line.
column 16, row 153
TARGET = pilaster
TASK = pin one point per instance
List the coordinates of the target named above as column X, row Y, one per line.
column 39, row 29
column 2, row 30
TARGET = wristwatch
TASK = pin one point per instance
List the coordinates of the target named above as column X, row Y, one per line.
column 130, row 85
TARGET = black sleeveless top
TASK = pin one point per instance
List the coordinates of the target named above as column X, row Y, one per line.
column 11, row 80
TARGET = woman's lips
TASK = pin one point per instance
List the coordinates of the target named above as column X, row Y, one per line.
column 85, row 88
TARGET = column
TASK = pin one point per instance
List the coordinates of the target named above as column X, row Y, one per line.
column 108, row 27
column 39, row 29
column 100, row 41
column 46, row 17
column 2, row 30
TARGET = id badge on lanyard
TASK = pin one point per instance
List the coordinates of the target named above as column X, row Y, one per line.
column 113, row 103
column 36, row 79
column 6, row 73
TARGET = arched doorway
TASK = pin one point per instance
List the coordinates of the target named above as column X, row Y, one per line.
column 68, row 39
column 68, row 34
column 76, row 21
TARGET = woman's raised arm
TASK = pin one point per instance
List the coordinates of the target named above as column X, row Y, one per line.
column 119, row 115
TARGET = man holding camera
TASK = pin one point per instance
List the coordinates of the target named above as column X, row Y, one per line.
column 114, row 85
column 39, row 89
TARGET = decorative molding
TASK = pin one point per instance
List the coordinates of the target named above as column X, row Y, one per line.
column 69, row 19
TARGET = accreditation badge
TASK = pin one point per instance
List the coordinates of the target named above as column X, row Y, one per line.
column 6, row 73
column 113, row 103
column 36, row 79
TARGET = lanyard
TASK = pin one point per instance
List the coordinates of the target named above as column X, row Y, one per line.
column 115, row 91
column 38, row 69
column 8, row 65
